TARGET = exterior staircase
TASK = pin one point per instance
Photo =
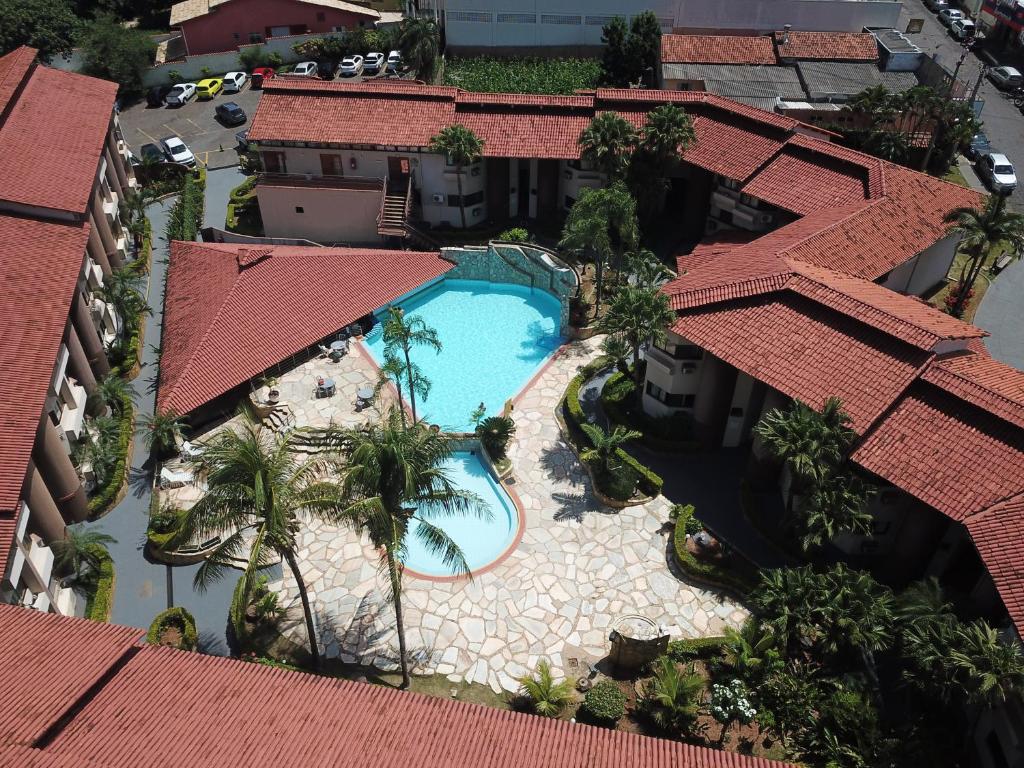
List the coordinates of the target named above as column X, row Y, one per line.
column 394, row 211
column 280, row 418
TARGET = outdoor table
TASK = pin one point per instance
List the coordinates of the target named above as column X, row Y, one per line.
column 339, row 345
column 325, row 387
column 365, row 393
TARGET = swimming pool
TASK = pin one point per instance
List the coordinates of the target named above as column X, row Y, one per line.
column 495, row 336
column 482, row 538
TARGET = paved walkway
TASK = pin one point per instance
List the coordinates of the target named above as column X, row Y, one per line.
column 1000, row 313
column 578, row 569
column 219, row 184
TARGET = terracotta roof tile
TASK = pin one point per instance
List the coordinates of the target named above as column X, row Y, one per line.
column 224, row 325
column 788, row 342
column 526, row 134
column 717, row 49
column 827, row 46
column 804, row 184
column 998, row 535
column 951, row 455
column 978, row 379
column 193, row 9
column 14, row 69
column 730, row 150
column 52, row 137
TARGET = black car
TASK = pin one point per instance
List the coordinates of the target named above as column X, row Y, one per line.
column 155, row 96
column 152, row 152
column 230, row 113
column 979, row 146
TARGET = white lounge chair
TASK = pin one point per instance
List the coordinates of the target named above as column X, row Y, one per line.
column 191, row 450
column 174, row 478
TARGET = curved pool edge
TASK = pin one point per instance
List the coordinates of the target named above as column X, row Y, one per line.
column 513, row 545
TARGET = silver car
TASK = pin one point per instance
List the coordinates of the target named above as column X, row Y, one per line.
column 180, row 94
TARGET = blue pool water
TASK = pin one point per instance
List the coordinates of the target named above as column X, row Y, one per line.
column 494, row 336
column 482, row 537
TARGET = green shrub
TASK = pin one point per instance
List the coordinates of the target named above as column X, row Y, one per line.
column 177, row 618
column 244, row 190
column 186, row 215
column 514, row 235
column 618, row 484
column 101, row 592
column 547, row 76
column 739, row 576
column 604, row 703
column 495, row 432
column 690, row 649
column 99, row 503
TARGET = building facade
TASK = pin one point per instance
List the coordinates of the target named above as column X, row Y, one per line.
column 61, row 237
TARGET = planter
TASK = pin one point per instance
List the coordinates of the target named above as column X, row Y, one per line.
column 274, row 396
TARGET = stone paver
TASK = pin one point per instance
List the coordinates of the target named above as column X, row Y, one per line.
column 578, row 568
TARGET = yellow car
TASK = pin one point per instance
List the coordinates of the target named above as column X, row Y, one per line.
column 207, row 89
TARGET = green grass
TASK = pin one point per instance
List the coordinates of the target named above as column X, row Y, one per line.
column 430, row 685
column 956, row 176
column 541, row 76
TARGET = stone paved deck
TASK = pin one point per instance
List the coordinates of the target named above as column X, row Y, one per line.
column 578, row 568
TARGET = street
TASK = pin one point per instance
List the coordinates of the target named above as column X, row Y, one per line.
column 1004, row 124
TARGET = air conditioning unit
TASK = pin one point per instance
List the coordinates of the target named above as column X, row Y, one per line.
column 766, row 218
column 28, row 598
column 437, row 197
column 688, row 368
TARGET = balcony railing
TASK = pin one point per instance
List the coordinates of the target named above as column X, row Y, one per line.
column 319, row 182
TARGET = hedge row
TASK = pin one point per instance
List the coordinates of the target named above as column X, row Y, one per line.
column 99, row 503
column 649, row 481
column 176, row 617
column 138, row 267
column 614, row 397
column 689, row 649
column 741, row 578
column 99, row 601
column 186, row 216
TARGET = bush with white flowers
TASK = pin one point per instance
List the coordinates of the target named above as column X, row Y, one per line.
column 731, row 702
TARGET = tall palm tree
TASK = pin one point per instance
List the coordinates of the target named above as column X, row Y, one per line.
column 645, row 269
column 602, row 222
column 133, row 212
column 401, row 334
column 979, row 230
column 420, row 43
column 607, row 143
column 123, row 291
column 394, row 476
column 667, row 133
column 392, row 372
column 80, row 552
column 638, row 315
column 461, row 147
column 260, row 492
column 837, row 504
column 162, row 430
column 989, row 668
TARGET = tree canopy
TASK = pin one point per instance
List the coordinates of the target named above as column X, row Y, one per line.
column 49, row 25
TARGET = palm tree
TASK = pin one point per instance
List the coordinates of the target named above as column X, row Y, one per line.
column 461, row 147
column 989, row 669
column 393, row 476
column 811, row 444
column 402, row 334
column 162, row 431
column 877, row 102
column 133, row 213
column 617, row 348
column 667, row 133
column 602, row 222
column 607, row 143
column 670, row 698
column 837, row 504
column 645, row 269
column 80, row 552
column 979, row 231
column 260, row 491
column 752, row 652
column 419, row 41
column 638, row 315
column 547, row 698
column 606, row 445
column 394, row 371
column 123, row 291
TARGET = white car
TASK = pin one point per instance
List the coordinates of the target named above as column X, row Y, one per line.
column 373, row 63
column 1006, row 78
column 394, row 61
column 998, row 172
column 963, row 29
column 949, row 15
column 351, row 66
column 305, row 69
column 234, row 81
column 177, row 151
column 179, row 94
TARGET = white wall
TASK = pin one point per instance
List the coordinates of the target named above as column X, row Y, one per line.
column 328, row 215
column 925, row 270
column 804, row 15
column 670, row 375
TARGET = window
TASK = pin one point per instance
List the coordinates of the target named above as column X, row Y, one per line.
column 331, row 165
column 255, row 37
column 299, row 209
column 669, row 399
column 517, row 18
column 560, row 18
column 274, row 162
column 598, row 21
column 682, row 351
column 472, row 199
column 469, row 16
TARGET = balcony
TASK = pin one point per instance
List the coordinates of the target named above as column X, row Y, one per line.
column 105, row 319
column 40, row 557
column 93, row 275
column 110, row 205
column 72, row 412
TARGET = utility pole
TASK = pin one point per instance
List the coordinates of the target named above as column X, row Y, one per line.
column 977, row 84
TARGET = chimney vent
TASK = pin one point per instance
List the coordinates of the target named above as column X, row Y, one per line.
column 785, row 33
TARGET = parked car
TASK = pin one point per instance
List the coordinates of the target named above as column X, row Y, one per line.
column 208, row 88
column 979, row 146
column 151, row 152
column 373, row 63
column 997, row 171
column 325, row 69
column 949, row 15
column 394, row 61
column 177, row 151
column 937, row 5
column 242, row 137
column 230, row 113
column 234, row 81
column 1006, row 78
column 180, row 94
column 351, row 66
column 305, row 69
column 963, row 29
column 155, row 96
column 261, row 74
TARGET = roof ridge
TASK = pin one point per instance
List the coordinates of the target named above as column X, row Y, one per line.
column 1008, row 401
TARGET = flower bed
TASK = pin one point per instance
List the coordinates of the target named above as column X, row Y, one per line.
column 174, row 627
column 544, row 76
column 739, row 578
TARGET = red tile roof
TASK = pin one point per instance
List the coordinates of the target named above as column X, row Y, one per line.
column 787, row 342
column 998, row 535
column 717, row 49
column 37, row 259
column 224, row 324
column 827, row 46
column 734, row 151
column 982, row 381
column 48, row 663
column 804, row 184
column 954, row 457
column 525, row 135
column 14, row 68
column 157, row 706
column 52, row 136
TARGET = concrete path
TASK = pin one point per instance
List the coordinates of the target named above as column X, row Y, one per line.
column 1002, row 314
column 144, row 588
column 219, row 184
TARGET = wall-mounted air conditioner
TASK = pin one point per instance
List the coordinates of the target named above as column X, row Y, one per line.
column 437, row 197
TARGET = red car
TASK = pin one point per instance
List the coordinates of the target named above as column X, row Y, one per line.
column 260, row 74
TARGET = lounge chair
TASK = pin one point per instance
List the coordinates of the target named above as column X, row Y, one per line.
column 191, row 450
column 174, row 478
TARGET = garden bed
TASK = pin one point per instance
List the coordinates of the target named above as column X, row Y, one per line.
column 100, row 593
column 731, row 572
column 114, row 490
column 531, row 75
column 621, row 406
column 174, row 627
column 243, row 213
